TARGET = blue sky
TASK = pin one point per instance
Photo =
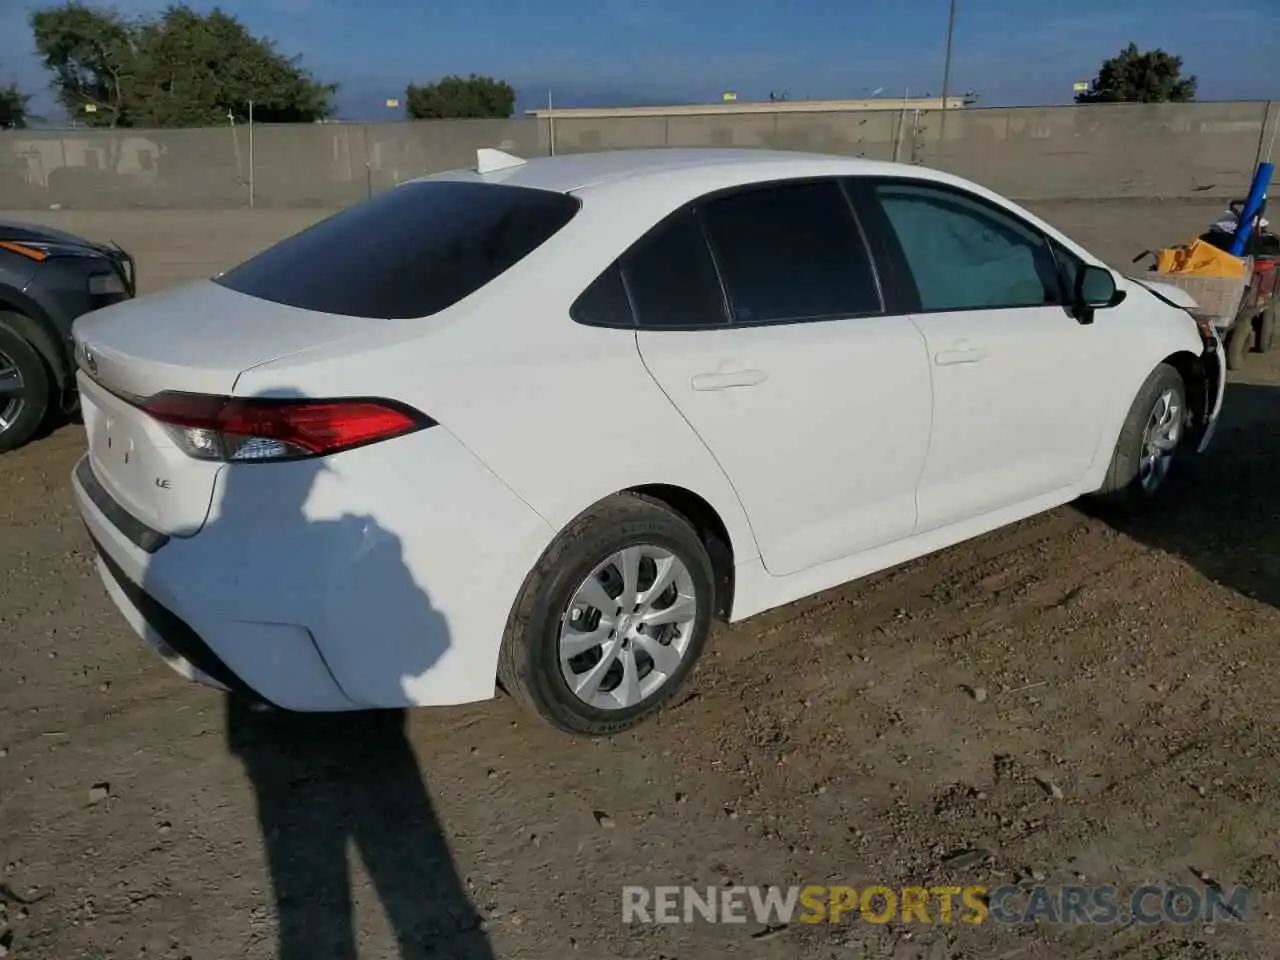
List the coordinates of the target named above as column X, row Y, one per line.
column 600, row 51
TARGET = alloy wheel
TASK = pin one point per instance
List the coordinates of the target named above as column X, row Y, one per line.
column 11, row 392
column 1160, row 440
column 627, row 627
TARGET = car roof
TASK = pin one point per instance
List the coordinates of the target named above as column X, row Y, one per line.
column 579, row 172
column 665, row 177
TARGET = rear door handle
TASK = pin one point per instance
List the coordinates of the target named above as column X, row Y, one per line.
column 726, row 380
column 960, row 354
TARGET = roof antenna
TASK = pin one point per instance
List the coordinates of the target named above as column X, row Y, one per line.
column 489, row 160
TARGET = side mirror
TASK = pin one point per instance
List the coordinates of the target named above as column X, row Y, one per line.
column 1095, row 290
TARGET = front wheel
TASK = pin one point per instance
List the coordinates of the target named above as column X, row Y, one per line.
column 613, row 619
column 1147, row 447
column 24, row 390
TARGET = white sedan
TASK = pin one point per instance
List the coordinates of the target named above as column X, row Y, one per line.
column 536, row 424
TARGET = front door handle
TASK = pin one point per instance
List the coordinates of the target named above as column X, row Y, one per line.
column 960, row 354
column 726, row 380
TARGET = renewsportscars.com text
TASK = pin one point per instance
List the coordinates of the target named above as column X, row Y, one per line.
column 772, row 906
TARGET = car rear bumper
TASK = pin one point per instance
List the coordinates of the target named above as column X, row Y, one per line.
column 366, row 582
column 275, row 662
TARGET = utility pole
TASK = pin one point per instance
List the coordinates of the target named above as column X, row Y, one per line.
column 946, row 67
column 551, row 123
column 251, row 164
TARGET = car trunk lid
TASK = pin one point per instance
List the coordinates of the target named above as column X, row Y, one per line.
column 193, row 339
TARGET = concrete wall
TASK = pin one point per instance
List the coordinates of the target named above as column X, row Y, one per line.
column 279, row 166
column 1105, row 151
column 1113, row 151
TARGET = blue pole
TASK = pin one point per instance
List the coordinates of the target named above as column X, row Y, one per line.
column 1257, row 193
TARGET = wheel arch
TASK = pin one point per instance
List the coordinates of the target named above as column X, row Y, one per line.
column 1199, row 386
column 1196, row 380
column 24, row 317
column 711, row 529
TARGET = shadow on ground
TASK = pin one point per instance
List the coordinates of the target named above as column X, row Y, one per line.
column 339, row 785
column 1222, row 513
column 329, row 786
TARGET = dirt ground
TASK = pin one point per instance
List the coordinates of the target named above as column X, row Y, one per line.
column 1073, row 700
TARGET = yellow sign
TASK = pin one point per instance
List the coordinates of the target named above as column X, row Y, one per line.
column 1080, row 86
column 392, row 102
column 90, row 108
column 729, row 95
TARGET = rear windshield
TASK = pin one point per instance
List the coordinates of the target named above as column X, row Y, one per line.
column 410, row 252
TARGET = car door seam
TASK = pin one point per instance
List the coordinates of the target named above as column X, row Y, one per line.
column 706, row 446
column 928, row 447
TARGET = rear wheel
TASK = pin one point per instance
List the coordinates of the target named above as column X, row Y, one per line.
column 612, row 621
column 1147, row 447
column 24, row 389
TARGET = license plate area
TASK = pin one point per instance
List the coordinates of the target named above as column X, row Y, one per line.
column 141, row 466
column 117, row 443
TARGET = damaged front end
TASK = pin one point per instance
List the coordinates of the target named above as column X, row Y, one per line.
column 1212, row 382
column 1206, row 375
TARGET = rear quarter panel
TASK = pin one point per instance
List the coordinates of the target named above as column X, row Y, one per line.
column 399, row 558
column 563, row 413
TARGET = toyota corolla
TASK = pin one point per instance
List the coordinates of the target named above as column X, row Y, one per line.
column 538, row 423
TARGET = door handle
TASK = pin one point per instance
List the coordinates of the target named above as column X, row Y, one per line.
column 726, row 380
column 961, row 353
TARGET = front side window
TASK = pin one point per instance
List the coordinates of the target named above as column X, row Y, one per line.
column 672, row 279
column 966, row 255
column 791, row 252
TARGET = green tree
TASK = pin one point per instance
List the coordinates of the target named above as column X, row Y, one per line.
column 178, row 69
column 13, row 107
column 1133, row 76
column 92, row 55
column 460, row 98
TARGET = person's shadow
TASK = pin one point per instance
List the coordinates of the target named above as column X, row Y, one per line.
column 327, row 782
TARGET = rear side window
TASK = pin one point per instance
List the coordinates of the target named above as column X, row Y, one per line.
column 672, row 278
column 410, row 252
column 791, row 252
column 604, row 303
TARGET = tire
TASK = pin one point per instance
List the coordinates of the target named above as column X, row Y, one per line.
column 530, row 667
column 21, row 413
column 1239, row 342
column 1267, row 328
column 1130, row 482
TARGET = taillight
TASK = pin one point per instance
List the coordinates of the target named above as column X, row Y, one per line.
column 261, row 429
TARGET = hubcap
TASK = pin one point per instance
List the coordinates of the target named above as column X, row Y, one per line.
column 627, row 627
column 11, row 384
column 1160, row 440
